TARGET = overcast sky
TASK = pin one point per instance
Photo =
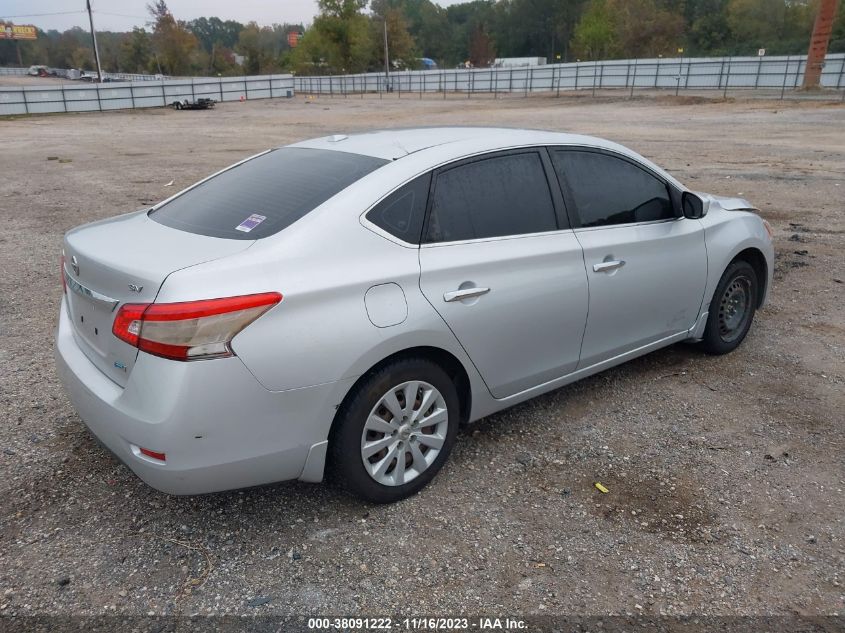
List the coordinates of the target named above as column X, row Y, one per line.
column 134, row 13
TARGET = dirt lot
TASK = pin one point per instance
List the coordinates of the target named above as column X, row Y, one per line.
column 726, row 475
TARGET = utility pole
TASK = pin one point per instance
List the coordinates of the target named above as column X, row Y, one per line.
column 94, row 39
column 819, row 41
column 386, row 56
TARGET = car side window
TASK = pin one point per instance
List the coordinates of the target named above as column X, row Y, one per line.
column 491, row 197
column 607, row 190
column 402, row 212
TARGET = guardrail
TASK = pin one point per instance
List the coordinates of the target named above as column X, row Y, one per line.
column 724, row 74
column 148, row 94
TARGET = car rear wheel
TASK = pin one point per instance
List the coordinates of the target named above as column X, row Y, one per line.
column 731, row 309
column 396, row 431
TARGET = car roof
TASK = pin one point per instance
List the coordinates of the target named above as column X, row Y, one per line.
column 394, row 144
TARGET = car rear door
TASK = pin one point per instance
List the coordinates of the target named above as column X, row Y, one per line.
column 646, row 263
column 504, row 270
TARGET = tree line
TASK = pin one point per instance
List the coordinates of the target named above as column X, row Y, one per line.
column 347, row 36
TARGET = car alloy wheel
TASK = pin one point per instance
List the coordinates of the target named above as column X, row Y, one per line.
column 404, row 433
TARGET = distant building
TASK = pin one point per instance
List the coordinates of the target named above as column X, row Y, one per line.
column 517, row 62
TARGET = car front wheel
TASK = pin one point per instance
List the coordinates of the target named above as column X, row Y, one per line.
column 731, row 309
column 396, row 431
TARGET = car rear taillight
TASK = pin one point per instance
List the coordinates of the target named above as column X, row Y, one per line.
column 190, row 330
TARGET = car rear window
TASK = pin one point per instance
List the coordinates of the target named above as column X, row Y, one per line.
column 265, row 194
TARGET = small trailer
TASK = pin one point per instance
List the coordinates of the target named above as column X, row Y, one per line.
column 202, row 103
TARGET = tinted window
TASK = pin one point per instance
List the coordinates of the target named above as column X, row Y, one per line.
column 506, row 195
column 402, row 212
column 609, row 190
column 266, row 194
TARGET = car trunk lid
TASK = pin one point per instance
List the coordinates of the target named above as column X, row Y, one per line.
column 125, row 260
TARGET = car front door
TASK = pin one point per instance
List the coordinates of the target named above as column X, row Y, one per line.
column 504, row 270
column 646, row 263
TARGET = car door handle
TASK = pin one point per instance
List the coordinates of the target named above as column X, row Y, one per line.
column 464, row 293
column 606, row 267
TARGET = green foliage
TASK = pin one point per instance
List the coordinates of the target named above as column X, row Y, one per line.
column 628, row 28
column 335, row 44
column 215, row 33
column 595, row 33
column 135, row 52
column 174, row 46
column 402, row 48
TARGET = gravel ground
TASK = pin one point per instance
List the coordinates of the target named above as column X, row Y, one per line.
column 725, row 474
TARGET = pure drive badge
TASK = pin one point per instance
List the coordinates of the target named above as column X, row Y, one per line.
column 250, row 223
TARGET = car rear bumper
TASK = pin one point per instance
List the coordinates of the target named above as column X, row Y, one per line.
column 218, row 426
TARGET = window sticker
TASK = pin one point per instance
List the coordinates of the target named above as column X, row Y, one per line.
column 250, row 223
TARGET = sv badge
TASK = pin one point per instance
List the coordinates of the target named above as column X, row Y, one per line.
column 135, row 288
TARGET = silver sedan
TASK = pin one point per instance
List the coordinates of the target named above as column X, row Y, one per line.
column 342, row 305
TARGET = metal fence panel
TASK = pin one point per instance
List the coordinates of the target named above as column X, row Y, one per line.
column 684, row 73
column 82, row 97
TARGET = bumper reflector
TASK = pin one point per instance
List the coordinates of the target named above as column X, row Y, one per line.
column 152, row 454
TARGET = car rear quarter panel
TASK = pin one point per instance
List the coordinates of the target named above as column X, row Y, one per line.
column 323, row 265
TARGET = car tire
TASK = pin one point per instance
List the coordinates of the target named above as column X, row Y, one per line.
column 371, row 418
column 731, row 309
column 177, row 105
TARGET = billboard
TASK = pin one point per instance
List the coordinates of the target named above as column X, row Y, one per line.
column 17, row 31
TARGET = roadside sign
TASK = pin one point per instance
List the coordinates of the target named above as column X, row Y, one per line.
column 17, row 31
column 761, row 52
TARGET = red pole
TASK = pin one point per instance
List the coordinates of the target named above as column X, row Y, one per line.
column 818, row 43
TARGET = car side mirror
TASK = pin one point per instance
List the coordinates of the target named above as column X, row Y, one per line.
column 693, row 206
